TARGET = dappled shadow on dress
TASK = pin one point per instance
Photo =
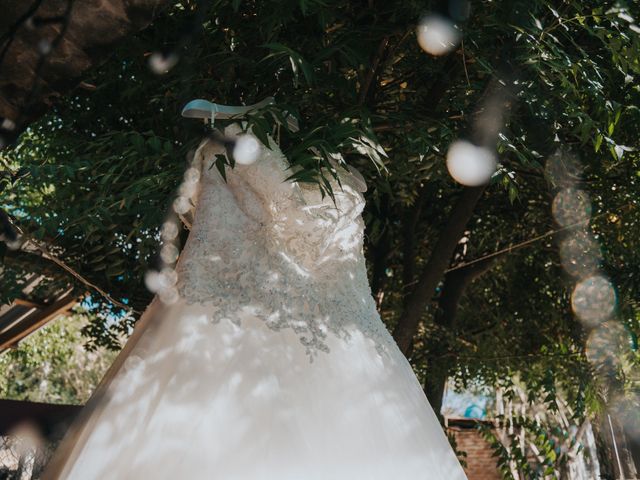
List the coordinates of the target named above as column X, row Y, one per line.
column 274, row 362
column 249, row 403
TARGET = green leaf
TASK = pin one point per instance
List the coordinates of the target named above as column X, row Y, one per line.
column 221, row 162
column 598, row 142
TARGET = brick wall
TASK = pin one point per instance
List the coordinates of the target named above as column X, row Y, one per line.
column 481, row 465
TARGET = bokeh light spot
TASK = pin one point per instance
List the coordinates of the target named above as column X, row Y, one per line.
column 246, row 149
column 437, row 35
column 133, row 363
column 188, row 189
column 604, row 346
column 161, row 63
column 469, row 164
column 181, row 205
column 169, row 296
column 593, row 300
column 8, row 124
column 44, row 46
column 580, row 254
column 192, row 175
column 169, row 231
column 571, row 206
column 15, row 244
column 153, row 281
column 169, row 253
column 563, row 169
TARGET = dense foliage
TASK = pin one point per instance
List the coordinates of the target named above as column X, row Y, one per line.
column 96, row 176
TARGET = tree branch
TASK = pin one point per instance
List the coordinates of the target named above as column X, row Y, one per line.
column 409, row 223
column 455, row 284
column 438, row 262
column 35, row 77
column 537, row 238
column 378, row 255
column 43, row 252
column 364, row 91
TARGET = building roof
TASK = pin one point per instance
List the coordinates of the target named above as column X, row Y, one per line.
column 24, row 316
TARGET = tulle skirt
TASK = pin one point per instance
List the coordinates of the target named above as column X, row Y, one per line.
column 193, row 399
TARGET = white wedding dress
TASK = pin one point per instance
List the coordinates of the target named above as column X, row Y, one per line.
column 273, row 364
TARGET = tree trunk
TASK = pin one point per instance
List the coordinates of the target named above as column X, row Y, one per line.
column 46, row 45
column 615, row 455
column 440, row 364
column 433, row 272
column 434, row 387
column 488, row 119
column 634, row 449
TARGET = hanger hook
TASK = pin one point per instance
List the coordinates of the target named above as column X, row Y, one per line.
column 213, row 115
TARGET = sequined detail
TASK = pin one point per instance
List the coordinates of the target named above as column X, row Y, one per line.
column 266, row 247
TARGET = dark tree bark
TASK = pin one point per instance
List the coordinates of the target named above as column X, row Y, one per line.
column 634, row 450
column 455, row 284
column 29, row 262
column 435, row 268
column 409, row 224
column 611, row 463
column 489, row 117
column 378, row 255
column 46, row 46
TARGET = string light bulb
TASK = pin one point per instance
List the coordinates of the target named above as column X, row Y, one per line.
column 469, row 164
column 246, row 149
column 437, row 35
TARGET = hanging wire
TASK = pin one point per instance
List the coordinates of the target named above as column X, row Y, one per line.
column 533, row 240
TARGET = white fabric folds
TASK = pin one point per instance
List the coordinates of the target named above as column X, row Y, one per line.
column 274, row 363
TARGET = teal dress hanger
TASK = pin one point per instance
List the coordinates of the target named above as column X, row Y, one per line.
column 210, row 111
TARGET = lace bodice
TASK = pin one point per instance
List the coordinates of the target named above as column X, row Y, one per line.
column 270, row 248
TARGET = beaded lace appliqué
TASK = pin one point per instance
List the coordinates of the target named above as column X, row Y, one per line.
column 264, row 247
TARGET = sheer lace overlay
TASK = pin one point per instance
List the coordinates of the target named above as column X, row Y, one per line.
column 266, row 247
